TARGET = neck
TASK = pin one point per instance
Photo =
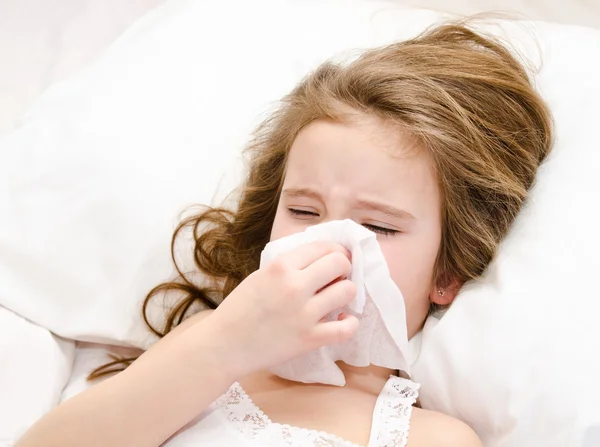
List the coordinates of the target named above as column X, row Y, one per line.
column 370, row 378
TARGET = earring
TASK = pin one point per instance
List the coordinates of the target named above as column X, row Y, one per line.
column 441, row 292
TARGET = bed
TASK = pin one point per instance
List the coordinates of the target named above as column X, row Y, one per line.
column 515, row 356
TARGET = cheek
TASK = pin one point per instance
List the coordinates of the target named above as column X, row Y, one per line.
column 411, row 263
column 285, row 225
column 278, row 229
column 411, row 270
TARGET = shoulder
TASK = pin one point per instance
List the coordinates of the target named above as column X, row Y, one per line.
column 433, row 429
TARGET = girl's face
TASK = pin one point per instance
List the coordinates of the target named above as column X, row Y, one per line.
column 372, row 174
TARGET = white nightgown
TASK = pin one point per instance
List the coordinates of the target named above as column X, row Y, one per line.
column 234, row 420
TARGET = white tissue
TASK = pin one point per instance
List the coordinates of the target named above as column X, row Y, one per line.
column 381, row 338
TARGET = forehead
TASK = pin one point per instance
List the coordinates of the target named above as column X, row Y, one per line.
column 363, row 157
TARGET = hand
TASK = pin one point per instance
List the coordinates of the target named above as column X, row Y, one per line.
column 276, row 313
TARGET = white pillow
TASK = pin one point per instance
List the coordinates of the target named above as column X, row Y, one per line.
column 34, row 368
column 96, row 177
column 42, row 42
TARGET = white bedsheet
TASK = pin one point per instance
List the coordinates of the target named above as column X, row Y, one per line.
column 39, row 370
column 35, row 366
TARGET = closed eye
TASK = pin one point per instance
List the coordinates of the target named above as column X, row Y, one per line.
column 381, row 230
column 373, row 228
column 298, row 212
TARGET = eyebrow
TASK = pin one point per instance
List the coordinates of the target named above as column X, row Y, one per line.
column 383, row 208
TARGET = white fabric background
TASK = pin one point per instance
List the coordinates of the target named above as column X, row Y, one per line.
column 43, row 41
column 29, row 394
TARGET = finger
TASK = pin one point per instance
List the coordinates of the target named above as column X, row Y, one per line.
column 303, row 256
column 340, row 316
column 324, row 271
column 332, row 298
column 332, row 332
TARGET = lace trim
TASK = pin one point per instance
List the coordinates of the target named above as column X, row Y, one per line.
column 242, row 412
column 252, row 422
column 391, row 419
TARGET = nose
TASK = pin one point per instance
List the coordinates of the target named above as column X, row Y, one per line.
column 339, row 212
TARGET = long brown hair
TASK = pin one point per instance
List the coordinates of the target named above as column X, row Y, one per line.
column 462, row 95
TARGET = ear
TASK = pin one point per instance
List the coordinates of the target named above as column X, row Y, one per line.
column 443, row 295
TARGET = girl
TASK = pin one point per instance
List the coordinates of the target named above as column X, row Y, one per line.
column 431, row 143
